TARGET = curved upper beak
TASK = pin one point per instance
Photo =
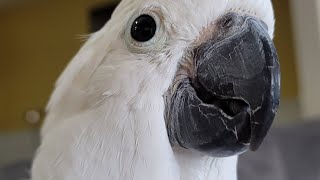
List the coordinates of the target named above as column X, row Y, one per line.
column 230, row 103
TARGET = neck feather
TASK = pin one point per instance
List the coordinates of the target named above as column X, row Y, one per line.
column 195, row 166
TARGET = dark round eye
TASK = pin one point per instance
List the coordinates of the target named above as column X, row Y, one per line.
column 143, row 28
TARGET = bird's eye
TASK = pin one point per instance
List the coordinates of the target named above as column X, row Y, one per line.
column 145, row 31
column 143, row 28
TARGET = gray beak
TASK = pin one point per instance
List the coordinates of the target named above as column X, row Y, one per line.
column 229, row 105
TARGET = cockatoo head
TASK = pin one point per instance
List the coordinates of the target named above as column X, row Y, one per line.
column 212, row 62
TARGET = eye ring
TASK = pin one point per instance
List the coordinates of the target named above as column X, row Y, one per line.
column 153, row 44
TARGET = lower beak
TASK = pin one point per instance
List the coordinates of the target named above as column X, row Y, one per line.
column 230, row 104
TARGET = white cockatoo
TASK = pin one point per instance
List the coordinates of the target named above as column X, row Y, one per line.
column 167, row 90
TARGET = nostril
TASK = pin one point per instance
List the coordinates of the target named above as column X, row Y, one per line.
column 231, row 20
column 228, row 22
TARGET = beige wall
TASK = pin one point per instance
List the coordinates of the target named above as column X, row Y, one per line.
column 37, row 39
column 289, row 111
column 318, row 10
column 285, row 47
column 307, row 38
column 318, row 15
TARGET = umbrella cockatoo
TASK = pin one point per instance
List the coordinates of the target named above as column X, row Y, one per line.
column 167, row 90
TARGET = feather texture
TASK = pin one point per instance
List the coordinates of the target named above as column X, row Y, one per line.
column 106, row 115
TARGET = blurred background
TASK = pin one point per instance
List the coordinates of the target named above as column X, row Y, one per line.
column 39, row 37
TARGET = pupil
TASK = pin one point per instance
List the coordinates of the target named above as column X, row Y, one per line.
column 143, row 28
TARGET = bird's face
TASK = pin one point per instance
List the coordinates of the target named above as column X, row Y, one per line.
column 215, row 63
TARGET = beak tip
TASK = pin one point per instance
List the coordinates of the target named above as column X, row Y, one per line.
column 254, row 147
column 255, row 143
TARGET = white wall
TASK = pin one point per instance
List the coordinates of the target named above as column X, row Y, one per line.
column 306, row 24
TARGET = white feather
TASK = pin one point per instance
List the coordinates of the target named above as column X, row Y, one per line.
column 105, row 117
